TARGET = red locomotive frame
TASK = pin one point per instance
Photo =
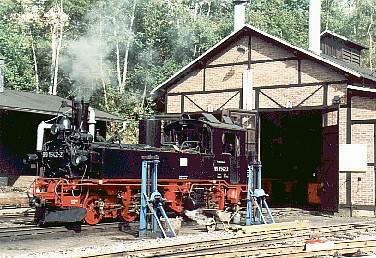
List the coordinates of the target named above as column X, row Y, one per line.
column 119, row 198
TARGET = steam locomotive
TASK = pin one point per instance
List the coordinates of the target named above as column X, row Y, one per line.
column 83, row 177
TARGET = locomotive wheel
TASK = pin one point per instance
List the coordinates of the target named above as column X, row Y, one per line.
column 93, row 215
column 126, row 216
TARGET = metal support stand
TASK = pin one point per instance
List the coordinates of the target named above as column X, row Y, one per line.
column 151, row 200
column 256, row 198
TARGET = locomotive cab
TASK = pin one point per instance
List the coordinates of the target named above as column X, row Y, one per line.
column 220, row 143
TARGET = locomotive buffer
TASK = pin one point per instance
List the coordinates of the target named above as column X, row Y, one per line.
column 152, row 200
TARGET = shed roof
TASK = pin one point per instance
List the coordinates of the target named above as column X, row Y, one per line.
column 246, row 30
column 327, row 33
column 41, row 104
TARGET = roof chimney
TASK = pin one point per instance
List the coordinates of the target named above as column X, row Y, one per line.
column 314, row 26
column 239, row 13
column 1, row 75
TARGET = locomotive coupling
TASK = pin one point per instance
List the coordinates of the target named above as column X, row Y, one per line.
column 35, row 202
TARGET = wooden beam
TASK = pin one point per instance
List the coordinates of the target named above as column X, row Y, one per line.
column 194, row 103
column 293, row 85
column 182, row 103
column 299, row 71
column 203, row 92
column 228, row 100
column 250, row 62
column 274, row 101
column 325, row 103
column 363, row 122
column 348, row 141
column 204, row 79
column 309, row 96
column 249, row 51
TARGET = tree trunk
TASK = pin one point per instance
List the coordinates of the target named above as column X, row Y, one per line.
column 103, row 80
column 196, row 10
column 58, row 48
column 209, row 7
column 143, row 99
column 53, row 58
column 128, row 45
column 118, row 68
column 35, row 61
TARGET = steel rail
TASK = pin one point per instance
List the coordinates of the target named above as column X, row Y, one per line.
column 297, row 250
column 32, row 230
column 340, row 248
column 245, row 247
column 272, row 234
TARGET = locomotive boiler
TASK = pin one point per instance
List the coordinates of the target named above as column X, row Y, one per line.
column 83, row 177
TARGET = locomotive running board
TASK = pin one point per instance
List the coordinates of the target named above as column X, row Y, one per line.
column 64, row 216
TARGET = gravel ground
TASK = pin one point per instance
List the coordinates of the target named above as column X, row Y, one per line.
column 85, row 244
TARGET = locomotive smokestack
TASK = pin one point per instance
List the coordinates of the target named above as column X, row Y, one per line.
column 150, row 132
column 92, row 121
column 314, row 26
column 80, row 113
column 239, row 13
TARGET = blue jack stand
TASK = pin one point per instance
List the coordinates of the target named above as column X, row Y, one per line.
column 256, row 198
column 152, row 200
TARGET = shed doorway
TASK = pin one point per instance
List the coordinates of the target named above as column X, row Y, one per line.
column 292, row 145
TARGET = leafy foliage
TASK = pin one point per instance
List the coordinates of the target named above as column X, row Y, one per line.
column 137, row 44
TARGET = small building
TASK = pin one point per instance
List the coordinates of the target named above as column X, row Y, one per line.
column 304, row 112
column 20, row 115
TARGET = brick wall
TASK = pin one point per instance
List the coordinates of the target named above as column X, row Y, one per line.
column 223, row 78
column 236, row 52
column 264, row 74
column 263, row 50
column 190, row 82
column 363, row 108
column 173, row 104
column 362, row 184
column 315, row 72
column 275, row 73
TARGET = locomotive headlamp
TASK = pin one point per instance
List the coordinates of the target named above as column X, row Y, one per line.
column 30, row 158
column 78, row 159
column 65, row 123
column 54, row 129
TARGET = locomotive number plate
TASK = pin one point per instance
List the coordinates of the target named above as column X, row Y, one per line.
column 52, row 154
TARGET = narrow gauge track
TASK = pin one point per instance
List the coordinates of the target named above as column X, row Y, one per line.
column 22, row 218
column 221, row 247
column 296, row 250
column 20, row 214
column 32, row 230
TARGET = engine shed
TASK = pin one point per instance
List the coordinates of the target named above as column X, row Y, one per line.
column 305, row 114
column 20, row 115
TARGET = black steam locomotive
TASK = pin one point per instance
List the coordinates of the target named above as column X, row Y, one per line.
column 202, row 163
